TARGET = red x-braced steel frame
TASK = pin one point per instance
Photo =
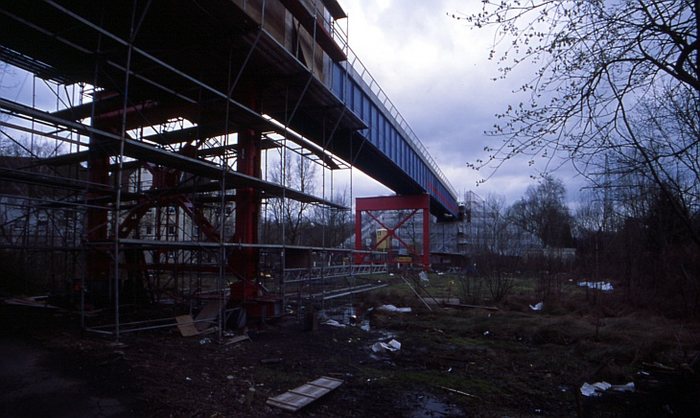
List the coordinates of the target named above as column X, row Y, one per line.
column 415, row 203
column 243, row 262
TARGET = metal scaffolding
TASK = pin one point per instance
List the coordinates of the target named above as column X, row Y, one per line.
column 142, row 170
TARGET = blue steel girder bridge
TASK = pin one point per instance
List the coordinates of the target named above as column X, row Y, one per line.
column 220, row 67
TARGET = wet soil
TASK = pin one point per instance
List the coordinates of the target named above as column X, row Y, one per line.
column 451, row 363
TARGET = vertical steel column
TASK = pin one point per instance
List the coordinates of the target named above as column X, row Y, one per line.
column 98, row 261
column 248, row 202
column 358, row 235
column 118, row 176
column 426, row 235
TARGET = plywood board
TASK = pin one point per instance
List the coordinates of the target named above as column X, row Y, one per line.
column 209, row 312
column 186, row 325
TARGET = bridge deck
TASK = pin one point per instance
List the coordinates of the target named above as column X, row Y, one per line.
column 220, row 66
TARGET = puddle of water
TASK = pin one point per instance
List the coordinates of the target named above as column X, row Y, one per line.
column 426, row 405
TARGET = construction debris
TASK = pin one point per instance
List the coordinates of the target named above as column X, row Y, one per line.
column 597, row 388
column 459, row 392
column 594, row 389
column 297, row 398
column 392, row 308
column 185, row 324
column 537, row 307
column 208, row 315
column 391, row 346
column 415, row 292
column 32, row 301
column 602, row 286
column 237, row 339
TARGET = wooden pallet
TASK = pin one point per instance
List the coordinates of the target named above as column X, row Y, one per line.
column 297, row 398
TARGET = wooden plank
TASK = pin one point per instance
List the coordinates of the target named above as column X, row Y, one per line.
column 327, row 382
column 237, row 339
column 459, row 392
column 312, row 391
column 290, row 401
column 186, row 326
column 297, row 398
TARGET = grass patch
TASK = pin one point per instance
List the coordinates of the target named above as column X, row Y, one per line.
column 431, row 378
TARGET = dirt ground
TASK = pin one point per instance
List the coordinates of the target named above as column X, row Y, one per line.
column 453, row 362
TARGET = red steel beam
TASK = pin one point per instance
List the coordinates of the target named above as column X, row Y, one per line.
column 414, row 202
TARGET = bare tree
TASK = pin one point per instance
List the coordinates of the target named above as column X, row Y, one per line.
column 289, row 217
column 496, row 223
column 22, row 146
column 542, row 212
column 339, row 223
column 615, row 79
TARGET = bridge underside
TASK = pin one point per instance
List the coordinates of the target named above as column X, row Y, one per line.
column 208, row 66
column 227, row 82
column 201, row 64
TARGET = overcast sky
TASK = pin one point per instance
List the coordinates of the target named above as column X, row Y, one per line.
column 436, row 72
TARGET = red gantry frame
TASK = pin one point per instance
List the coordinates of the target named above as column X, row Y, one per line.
column 414, row 203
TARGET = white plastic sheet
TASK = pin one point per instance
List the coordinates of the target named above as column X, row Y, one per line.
column 392, row 308
column 537, row 307
column 391, row 346
column 597, row 389
column 602, row 286
column 627, row 387
column 594, row 389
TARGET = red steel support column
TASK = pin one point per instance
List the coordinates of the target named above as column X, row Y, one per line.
column 426, row 235
column 358, row 234
column 96, row 219
column 247, row 204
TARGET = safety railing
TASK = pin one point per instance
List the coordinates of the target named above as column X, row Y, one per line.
column 298, row 275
